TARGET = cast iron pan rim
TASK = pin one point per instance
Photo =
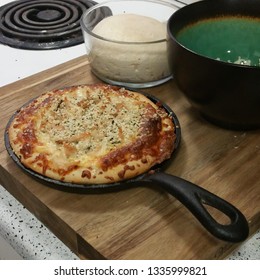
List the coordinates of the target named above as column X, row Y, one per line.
column 95, row 188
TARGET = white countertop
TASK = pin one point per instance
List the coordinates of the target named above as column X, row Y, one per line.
column 32, row 240
column 18, row 227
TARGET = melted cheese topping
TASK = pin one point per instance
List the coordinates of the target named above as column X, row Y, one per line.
column 92, row 124
column 91, row 133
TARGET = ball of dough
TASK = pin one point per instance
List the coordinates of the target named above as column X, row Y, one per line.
column 127, row 51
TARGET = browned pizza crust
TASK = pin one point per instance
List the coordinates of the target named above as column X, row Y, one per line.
column 91, row 134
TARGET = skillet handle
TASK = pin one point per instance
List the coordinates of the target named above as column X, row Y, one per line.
column 193, row 197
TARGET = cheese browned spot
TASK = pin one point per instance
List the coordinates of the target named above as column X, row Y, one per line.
column 92, row 134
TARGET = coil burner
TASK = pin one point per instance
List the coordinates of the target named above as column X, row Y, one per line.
column 43, row 25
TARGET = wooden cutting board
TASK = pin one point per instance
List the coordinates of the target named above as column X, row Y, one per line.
column 140, row 223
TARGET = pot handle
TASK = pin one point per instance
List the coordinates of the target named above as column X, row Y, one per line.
column 193, row 197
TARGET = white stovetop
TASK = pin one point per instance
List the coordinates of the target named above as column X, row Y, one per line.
column 18, row 227
column 23, row 63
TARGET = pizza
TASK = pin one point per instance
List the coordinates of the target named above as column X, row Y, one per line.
column 91, row 134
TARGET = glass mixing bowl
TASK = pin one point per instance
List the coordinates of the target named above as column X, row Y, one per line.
column 126, row 41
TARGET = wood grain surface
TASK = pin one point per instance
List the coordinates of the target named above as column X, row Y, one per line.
column 141, row 222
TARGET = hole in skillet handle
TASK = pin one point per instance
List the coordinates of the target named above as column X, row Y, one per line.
column 195, row 198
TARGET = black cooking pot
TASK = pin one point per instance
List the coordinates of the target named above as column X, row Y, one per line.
column 227, row 94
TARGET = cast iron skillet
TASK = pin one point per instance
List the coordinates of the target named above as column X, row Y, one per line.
column 189, row 194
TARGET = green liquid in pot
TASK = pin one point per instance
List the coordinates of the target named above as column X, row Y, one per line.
column 232, row 39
